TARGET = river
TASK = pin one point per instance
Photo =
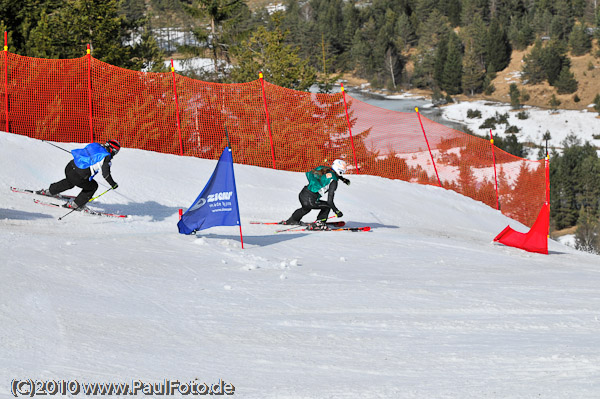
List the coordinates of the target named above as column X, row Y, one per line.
column 407, row 105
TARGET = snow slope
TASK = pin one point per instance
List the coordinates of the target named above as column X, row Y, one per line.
column 423, row 306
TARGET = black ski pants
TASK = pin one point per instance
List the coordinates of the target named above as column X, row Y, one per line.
column 75, row 177
column 310, row 201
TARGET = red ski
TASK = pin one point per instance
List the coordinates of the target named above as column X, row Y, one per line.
column 27, row 191
column 330, row 224
column 361, row 228
column 85, row 210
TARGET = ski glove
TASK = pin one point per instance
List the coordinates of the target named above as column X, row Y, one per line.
column 345, row 181
column 114, row 186
column 339, row 213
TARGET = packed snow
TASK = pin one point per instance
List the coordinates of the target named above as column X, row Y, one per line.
column 425, row 305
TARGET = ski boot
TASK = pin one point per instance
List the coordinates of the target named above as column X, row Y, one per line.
column 318, row 225
column 72, row 205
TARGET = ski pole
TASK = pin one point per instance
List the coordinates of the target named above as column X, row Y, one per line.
column 74, row 209
column 54, row 145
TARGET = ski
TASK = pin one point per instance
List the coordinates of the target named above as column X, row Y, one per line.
column 27, row 191
column 85, row 210
column 362, row 228
column 331, row 224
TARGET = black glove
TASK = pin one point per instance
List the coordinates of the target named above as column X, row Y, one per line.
column 114, row 186
column 345, row 181
column 339, row 213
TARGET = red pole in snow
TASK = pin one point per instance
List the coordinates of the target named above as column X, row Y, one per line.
column 177, row 109
column 262, row 83
column 6, row 79
column 349, row 129
column 495, row 177
column 427, row 141
column 89, row 73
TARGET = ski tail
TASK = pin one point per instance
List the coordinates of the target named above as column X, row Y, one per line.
column 362, row 228
column 84, row 210
column 28, row 191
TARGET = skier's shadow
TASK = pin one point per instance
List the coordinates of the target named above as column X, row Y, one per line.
column 157, row 211
column 372, row 225
column 21, row 215
column 259, row 241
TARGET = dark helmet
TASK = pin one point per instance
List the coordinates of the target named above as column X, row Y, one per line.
column 113, row 147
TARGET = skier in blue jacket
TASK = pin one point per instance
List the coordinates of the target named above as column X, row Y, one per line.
column 321, row 180
column 80, row 172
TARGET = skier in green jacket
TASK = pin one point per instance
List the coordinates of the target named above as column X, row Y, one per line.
column 321, row 180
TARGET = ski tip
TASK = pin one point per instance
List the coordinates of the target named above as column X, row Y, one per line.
column 367, row 228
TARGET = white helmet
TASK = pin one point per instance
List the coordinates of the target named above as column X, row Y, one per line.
column 339, row 166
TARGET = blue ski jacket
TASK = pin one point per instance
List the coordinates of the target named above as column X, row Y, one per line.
column 91, row 159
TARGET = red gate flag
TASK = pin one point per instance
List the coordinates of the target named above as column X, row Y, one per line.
column 536, row 240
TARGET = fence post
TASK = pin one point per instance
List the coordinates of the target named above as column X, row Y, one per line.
column 349, row 129
column 6, row 79
column 262, row 84
column 547, row 164
column 427, row 141
column 495, row 176
column 89, row 76
column 177, row 109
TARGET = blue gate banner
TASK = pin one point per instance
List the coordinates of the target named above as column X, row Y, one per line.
column 217, row 204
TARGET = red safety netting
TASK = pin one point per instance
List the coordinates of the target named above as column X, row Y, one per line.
column 83, row 100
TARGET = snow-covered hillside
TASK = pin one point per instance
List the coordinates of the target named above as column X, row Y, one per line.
column 423, row 306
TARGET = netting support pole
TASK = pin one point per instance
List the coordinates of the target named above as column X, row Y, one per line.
column 547, row 165
column 6, row 79
column 262, row 84
column 89, row 76
column 429, row 148
column 495, row 176
column 177, row 109
column 349, row 129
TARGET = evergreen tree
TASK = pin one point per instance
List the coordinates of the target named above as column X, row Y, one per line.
column 328, row 24
column 452, row 75
column 533, row 71
column 579, row 41
column 554, row 59
column 452, row 10
column 471, row 9
column 351, row 15
column 566, row 82
column 573, row 185
column 520, row 33
column 405, row 33
column 266, row 51
column 362, row 49
column 226, row 20
column 563, row 19
column 498, row 49
column 597, row 20
column 431, row 33
column 473, row 73
column 62, row 29
column 386, row 52
column 441, row 55
column 39, row 43
column 476, row 35
column 587, row 235
column 597, row 103
column 515, row 96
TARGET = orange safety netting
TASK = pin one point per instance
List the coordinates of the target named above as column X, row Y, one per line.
column 84, row 100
